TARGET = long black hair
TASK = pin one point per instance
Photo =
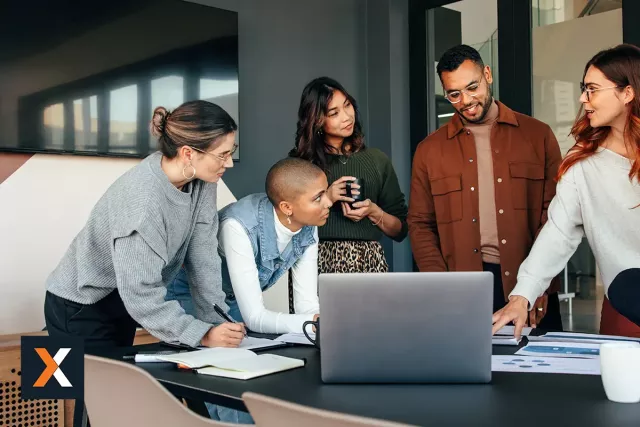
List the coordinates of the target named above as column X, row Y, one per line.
column 314, row 104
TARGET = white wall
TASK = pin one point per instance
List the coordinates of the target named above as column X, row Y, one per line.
column 45, row 204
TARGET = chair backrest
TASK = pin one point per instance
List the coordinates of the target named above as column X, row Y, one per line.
column 270, row 412
column 118, row 393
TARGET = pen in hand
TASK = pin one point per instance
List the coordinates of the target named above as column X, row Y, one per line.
column 225, row 316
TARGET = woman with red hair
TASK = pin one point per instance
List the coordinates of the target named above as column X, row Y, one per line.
column 598, row 195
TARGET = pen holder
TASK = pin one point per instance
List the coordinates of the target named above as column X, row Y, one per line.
column 316, row 323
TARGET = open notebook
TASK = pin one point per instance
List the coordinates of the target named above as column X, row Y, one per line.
column 233, row 362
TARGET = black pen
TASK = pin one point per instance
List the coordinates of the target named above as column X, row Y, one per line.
column 225, row 316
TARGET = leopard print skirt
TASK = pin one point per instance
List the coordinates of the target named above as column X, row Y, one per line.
column 351, row 256
column 347, row 256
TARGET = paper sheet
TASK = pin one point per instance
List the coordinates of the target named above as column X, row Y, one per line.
column 252, row 343
column 296, row 338
column 505, row 340
column 561, row 349
column 548, row 365
column 584, row 338
column 248, row 343
column 510, row 330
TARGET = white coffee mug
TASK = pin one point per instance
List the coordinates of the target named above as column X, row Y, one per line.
column 620, row 369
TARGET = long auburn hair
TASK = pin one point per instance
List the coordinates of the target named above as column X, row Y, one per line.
column 621, row 65
column 310, row 139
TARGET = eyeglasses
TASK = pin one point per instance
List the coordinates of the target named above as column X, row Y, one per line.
column 223, row 157
column 455, row 96
column 585, row 89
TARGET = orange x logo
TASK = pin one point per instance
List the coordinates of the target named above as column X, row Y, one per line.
column 52, row 368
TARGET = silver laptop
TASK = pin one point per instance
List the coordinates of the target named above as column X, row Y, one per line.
column 406, row 327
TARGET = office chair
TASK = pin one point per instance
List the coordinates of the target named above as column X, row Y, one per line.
column 271, row 412
column 118, row 393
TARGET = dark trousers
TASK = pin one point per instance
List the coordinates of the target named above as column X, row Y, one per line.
column 624, row 294
column 552, row 321
column 103, row 324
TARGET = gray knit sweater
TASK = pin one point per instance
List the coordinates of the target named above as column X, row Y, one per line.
column 138, row 235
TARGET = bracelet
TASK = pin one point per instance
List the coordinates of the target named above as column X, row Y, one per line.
column 381, row 221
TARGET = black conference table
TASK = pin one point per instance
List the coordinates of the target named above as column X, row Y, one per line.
column 511, row 399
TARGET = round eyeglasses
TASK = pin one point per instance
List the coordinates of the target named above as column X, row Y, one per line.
column 224, row 157
column 589, row 91
column 455, row 96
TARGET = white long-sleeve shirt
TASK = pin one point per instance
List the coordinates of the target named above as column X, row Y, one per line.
column 594, row 198
column 236, row 247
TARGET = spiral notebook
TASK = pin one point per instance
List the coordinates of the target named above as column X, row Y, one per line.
column 233, row 362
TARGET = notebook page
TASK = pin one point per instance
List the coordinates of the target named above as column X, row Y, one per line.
column 252, row 367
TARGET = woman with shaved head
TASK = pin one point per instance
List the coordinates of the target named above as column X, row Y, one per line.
column 261, row 237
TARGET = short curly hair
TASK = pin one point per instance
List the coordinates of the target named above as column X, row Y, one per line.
column 454, row 57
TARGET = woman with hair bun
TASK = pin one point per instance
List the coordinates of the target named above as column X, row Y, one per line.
column 156, row 217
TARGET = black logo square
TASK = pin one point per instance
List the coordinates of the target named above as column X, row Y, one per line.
column 52, row 368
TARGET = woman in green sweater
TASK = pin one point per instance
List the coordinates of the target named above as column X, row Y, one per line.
column 329, row 134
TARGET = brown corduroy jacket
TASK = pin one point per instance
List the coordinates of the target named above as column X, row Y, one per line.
column 443, row 210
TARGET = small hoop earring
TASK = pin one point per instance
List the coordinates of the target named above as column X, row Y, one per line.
column 185, row 175
column 289, row 219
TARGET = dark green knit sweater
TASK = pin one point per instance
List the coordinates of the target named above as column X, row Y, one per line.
column 380, row 185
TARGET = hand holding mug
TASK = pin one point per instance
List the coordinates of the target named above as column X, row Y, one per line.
column 337, row 192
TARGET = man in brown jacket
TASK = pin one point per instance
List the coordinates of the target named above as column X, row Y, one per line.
column 481, row 185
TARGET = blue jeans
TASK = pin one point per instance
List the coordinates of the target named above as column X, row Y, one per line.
column 220, row 413
column 178, row 290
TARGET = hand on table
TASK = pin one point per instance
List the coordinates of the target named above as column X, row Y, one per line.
column 515, row 311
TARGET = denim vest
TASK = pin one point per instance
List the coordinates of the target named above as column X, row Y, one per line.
column 255, row 214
